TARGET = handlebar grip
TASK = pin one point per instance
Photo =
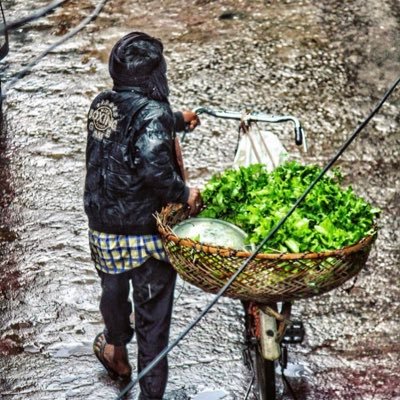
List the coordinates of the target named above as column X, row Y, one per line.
column 298, row 135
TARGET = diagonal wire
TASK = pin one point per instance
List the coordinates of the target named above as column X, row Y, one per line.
column 69, row 35
column 167, row 349
column 5, row 47
column 32, row 17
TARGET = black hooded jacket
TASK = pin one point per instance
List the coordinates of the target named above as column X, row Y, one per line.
column 131, row 167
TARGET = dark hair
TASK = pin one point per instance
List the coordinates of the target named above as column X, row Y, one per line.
column 137, row 62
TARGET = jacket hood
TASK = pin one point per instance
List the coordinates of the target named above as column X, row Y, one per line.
column 137, row 61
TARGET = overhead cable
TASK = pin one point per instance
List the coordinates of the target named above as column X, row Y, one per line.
column 4, row 49
column 32, row 17
column 25, row 71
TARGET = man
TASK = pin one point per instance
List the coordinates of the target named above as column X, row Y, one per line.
column 132, row 171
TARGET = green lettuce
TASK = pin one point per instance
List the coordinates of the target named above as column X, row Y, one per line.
column 330, row 217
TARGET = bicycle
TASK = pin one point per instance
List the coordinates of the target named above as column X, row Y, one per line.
column 240, row 274
column 267, row 332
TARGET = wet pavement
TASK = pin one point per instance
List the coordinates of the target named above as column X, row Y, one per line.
column 325, row 62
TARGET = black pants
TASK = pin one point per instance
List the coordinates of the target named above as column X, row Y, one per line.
column 153, row 290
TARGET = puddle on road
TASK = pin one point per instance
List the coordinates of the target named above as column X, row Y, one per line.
column 211, row 395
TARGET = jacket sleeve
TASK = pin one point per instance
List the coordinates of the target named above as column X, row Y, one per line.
column 179, row 121
column 157, row 155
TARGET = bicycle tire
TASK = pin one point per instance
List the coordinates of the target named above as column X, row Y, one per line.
column 265, row 376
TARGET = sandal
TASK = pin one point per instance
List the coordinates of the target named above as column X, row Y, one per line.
column 99, row 345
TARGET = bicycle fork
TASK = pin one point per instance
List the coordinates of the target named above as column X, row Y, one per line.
column 268, row 334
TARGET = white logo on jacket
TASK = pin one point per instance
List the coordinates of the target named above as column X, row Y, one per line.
column 103, row 119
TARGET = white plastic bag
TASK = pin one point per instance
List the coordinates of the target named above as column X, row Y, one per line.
column 260, row 147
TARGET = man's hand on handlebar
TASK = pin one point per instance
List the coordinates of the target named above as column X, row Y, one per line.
column 191, row 119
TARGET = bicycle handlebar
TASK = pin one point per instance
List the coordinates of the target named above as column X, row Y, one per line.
column 257, row 117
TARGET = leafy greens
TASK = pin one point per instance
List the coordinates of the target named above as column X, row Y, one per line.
column 329, row 218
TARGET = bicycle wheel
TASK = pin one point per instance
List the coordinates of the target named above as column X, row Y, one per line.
column 265, row 376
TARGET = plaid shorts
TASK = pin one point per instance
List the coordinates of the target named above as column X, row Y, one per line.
column 114, row 254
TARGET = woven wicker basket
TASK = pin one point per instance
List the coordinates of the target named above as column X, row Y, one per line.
column 268, row 277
